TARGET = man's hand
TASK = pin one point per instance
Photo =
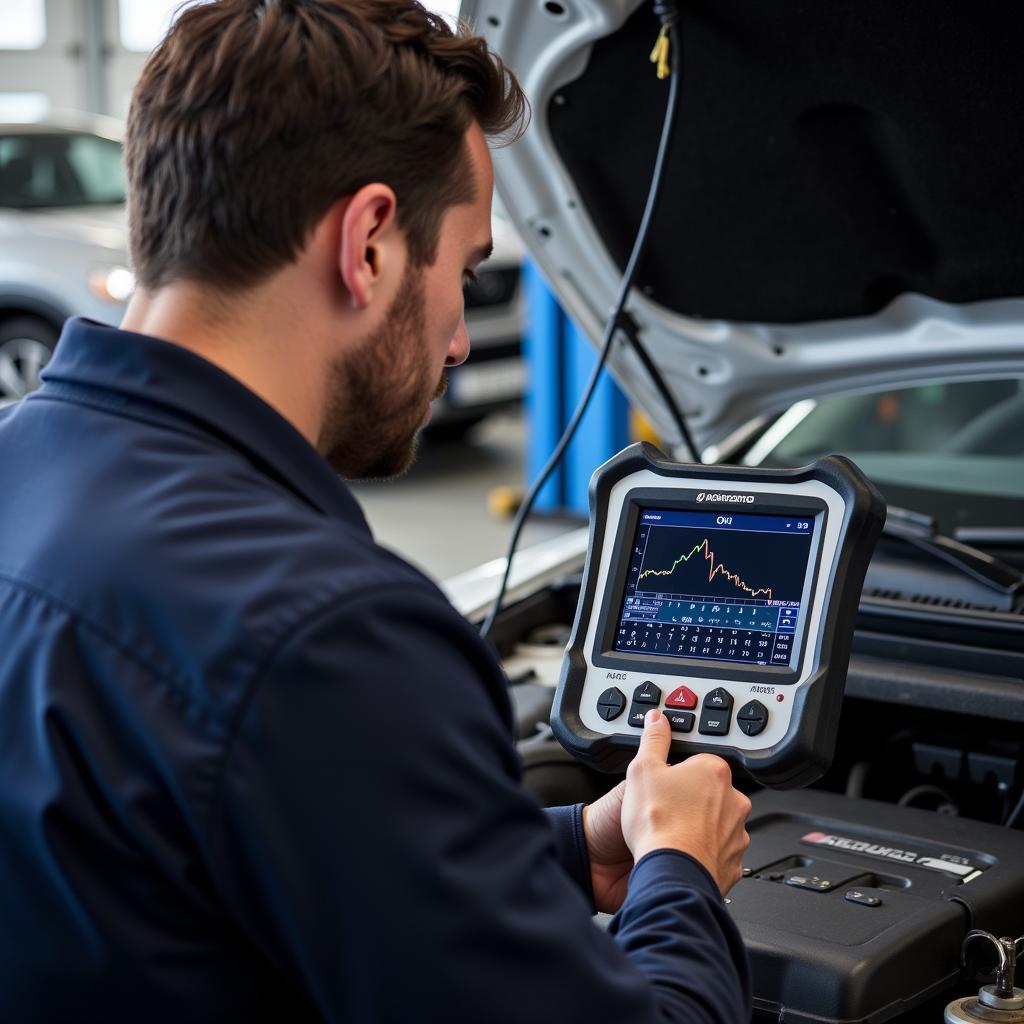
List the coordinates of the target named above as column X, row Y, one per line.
column 610, row 859
column 691, row 807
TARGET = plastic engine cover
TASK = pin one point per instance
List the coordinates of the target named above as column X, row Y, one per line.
column 855, row 911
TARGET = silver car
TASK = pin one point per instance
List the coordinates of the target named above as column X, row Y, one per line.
column 834, row 265
column 62, row 239
column 63, row 252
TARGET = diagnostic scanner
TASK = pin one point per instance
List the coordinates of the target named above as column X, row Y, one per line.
column 724, row 596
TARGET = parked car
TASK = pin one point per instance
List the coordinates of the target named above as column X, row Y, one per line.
column 62, row 239
column 835, row 265
column 494, row 376
column 64, row 252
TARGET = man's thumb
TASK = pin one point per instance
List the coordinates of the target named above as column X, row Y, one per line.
column 657, row 736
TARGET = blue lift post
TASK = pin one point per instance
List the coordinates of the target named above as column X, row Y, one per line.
column 559, row 360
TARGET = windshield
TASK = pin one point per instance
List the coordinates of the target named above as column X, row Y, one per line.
column 954, row 451
column 39, row 171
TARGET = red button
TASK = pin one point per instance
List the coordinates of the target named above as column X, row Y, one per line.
column 683, row 697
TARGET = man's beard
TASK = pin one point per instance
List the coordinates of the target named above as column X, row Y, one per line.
column 378, row 395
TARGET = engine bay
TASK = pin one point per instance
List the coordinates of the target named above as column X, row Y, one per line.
column 927, row 768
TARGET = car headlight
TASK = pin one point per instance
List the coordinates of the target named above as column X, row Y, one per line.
column 115, row 284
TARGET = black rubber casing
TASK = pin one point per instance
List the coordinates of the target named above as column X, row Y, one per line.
column 807, row 749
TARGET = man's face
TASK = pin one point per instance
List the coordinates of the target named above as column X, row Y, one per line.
column 379, row 396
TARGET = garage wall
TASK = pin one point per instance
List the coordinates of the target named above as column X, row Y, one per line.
column 83, row 64
column 55, row 70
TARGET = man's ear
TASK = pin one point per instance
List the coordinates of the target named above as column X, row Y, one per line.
column 370, row 246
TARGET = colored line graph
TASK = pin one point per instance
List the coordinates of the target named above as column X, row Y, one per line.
column 716, row 569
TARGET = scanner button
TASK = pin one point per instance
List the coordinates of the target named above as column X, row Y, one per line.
column 718, row 698
column 752, row 717
column 753, row 709
column 636, row 714
column 647, row 693
column 716, row 713
column 611, row 703
column 681, row 697
column 680, row 721
column 714, row 723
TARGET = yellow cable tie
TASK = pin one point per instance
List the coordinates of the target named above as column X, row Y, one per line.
column 659, row 55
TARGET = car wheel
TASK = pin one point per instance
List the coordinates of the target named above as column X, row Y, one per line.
column 26, row 344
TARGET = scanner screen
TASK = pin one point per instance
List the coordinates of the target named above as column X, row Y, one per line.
column 713, row 586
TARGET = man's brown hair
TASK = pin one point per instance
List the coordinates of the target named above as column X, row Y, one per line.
column 253, row 116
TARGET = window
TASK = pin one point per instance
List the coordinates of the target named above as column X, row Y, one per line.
column 23, row 106
column 448, row 8
column 40, row 170
column 23, row 26
column 143, row 23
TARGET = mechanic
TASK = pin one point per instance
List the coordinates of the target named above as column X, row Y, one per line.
column 252, row 766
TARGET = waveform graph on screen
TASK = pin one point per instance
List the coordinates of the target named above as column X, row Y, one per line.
column 716, row 587
column 722, row 565
column 714, row 568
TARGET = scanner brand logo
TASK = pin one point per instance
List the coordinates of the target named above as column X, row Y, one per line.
column 950, row 863
column 733, row 499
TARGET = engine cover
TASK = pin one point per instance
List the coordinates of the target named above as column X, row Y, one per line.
column 855, row 911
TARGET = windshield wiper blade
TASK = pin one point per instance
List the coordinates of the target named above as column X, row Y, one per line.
column 920, row 530
column 1001, row 536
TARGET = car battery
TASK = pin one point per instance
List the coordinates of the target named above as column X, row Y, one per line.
column 855, row 911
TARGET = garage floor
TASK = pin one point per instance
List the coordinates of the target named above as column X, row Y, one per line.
column 437, row 517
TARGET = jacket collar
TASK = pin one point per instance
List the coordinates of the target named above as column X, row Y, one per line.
column 176, row 382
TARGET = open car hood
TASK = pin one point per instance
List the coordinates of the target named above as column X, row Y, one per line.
column 843, row 207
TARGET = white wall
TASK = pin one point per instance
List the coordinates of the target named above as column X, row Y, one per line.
column 60, row 68
column 56, row 69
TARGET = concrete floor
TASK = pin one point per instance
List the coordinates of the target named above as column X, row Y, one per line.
column 437, row 517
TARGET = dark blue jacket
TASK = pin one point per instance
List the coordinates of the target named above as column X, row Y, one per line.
column 254, row 767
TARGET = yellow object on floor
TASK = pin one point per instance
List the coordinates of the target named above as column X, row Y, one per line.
column 641, row 428
column 503, row 501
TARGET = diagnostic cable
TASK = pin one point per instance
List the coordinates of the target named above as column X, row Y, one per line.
column 619, row 320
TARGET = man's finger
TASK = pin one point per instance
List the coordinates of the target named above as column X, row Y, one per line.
column 656, row 738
